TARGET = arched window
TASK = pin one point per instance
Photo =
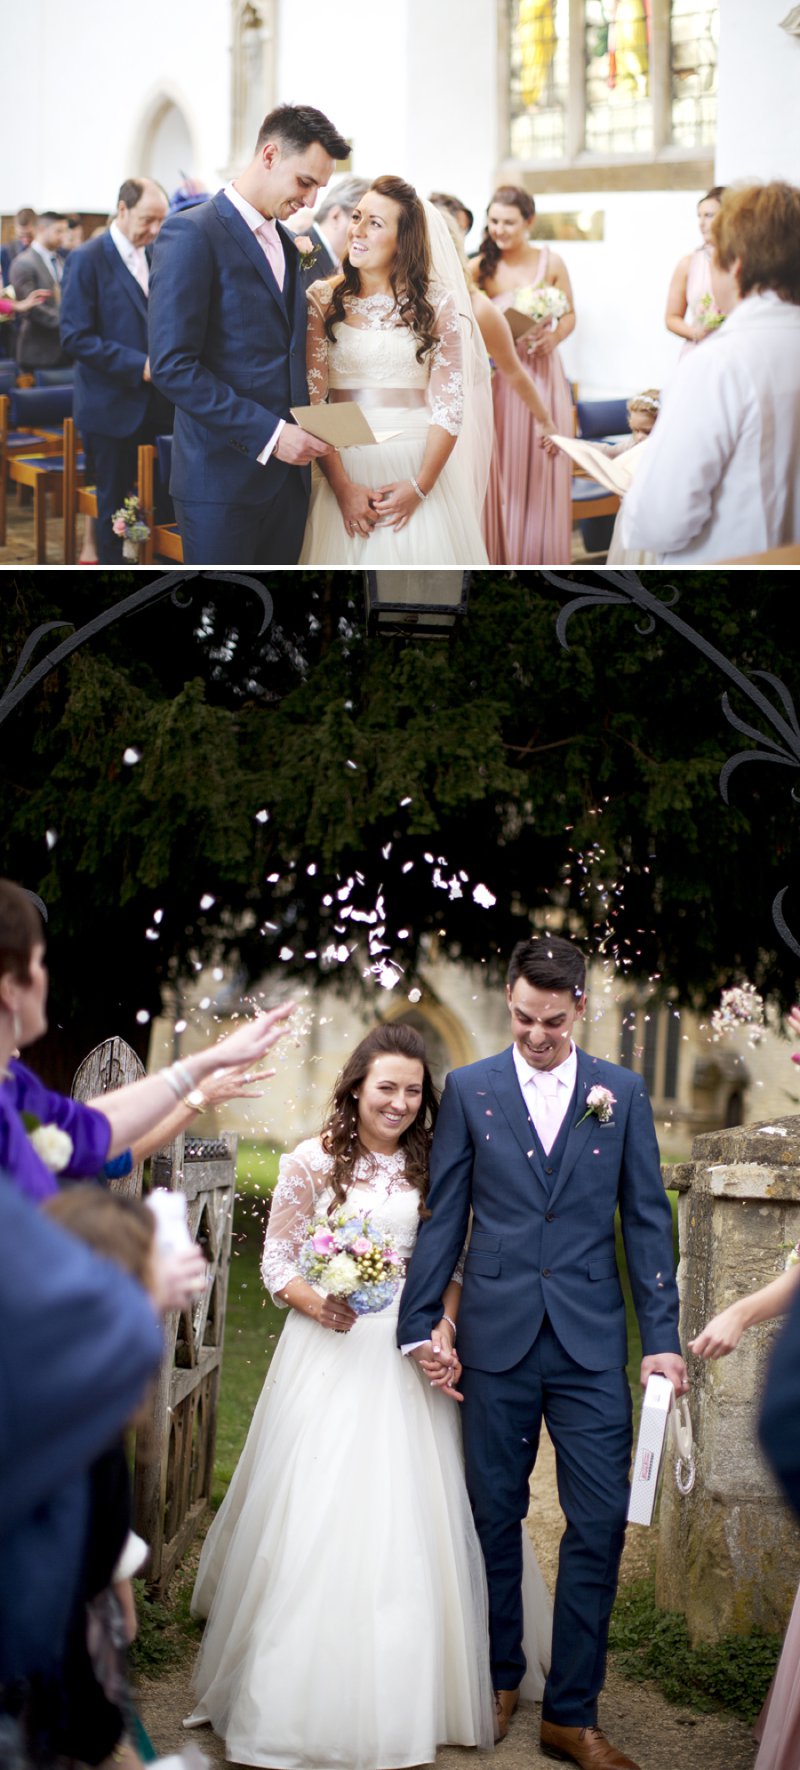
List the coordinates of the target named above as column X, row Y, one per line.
column 601, row 84
column 253, row 73
column 167, row 153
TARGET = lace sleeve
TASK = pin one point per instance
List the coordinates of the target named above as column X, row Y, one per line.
column 301, row 1178
column 458, row 1274
column 446, row 385
column 319, row 296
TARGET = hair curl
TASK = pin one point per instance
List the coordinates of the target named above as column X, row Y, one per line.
column 489, row 253
column 339, row 1135
column 410, row 272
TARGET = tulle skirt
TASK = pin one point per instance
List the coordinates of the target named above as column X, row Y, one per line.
column 444, row 530
column 778, row 1725
column 342, row 1578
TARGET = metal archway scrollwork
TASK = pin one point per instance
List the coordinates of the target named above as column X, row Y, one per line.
column 178, row 586
column 780, row 713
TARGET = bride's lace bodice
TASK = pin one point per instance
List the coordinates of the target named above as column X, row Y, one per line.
column 372, row 348
column 303, row 1191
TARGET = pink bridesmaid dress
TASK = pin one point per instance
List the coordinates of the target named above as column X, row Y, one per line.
column 778, row 1725
column 537, row 487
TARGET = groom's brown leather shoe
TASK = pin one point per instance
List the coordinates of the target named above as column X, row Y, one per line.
column 505, row 1702
column 585, row 1746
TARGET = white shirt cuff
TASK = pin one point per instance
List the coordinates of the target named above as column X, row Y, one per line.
column 134, row 1554
column 266, row 452
column 412, row 1347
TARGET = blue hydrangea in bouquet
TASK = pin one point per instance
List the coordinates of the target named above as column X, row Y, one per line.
column 345, row 1255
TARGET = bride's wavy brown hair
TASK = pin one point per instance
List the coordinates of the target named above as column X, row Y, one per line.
column 489, row 254
column 410, row 272
column 339, row 1135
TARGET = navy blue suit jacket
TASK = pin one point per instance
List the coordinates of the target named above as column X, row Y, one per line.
column 104, row 328
column 538, row 1244
column 228, row 347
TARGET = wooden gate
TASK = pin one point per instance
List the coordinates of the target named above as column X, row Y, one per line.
column 174, row 1459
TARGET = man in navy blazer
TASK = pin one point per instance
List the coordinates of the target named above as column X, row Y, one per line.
column 543, row 1163
column 104, row 298
column 228, row 346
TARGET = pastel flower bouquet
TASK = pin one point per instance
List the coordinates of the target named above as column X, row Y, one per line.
column 545, row 303
column 347, row 1256
column 707, row 314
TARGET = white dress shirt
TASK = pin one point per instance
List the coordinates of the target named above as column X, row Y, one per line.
column 547, row 1094
column 255, row 221
column 721, row 476
column 133, row 257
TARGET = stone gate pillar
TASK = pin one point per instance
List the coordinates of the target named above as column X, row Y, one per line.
column 729, row 1552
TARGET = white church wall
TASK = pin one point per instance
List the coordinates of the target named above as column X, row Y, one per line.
column 759, row 74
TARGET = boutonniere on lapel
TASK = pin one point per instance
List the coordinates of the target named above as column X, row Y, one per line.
column 53, row 1146
column 600, row 1102
column 309, row 253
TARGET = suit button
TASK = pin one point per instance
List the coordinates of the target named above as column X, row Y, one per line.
column 545, row 1272
column 549, row 1216
column 549, row 1170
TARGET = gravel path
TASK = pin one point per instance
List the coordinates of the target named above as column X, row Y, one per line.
column 657, row 1734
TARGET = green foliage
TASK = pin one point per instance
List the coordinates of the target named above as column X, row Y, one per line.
column 583, row 782
column 653, row 1645
column 163, row 1632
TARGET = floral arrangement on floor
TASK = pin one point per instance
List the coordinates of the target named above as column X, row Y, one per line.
column 128, row 524
column 347, row 1256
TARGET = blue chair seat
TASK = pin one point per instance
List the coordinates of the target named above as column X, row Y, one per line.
column 39, row 408
column 585, row 490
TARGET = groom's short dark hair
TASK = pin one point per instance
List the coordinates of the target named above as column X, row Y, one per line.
column 546, row 961
column 297, row 126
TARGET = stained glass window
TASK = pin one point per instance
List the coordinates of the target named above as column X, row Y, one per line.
column 539, row 78
column 619, row 110
column 625, row 58
column 694, row 34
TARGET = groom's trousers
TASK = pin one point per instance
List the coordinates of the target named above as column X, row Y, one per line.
column 588, row 1417
column 245, row 534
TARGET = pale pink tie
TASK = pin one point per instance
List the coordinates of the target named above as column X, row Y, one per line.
column 548, row 1111
column 268, row 235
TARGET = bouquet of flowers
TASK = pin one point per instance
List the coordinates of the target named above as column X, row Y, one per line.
column 347, row 1256
column 128, row 523
column 707, row 313
column 541, row 304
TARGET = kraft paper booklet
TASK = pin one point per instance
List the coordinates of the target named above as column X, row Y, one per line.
column 343, row 425
column 520, row 323
column 615, row 472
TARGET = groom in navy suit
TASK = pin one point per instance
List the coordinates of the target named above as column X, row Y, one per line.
column 543, row 1161
column 228, row 347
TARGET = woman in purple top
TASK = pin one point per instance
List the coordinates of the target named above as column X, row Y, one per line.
column 45, row 1136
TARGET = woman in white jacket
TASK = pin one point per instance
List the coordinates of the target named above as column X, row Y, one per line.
column 722, row 477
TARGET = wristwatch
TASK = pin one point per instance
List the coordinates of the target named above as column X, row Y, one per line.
column 196, row 1100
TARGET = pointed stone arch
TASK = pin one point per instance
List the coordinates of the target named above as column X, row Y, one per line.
column 253, row 72
column 164, row 145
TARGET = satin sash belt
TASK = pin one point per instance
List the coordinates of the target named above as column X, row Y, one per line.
column 380, row 396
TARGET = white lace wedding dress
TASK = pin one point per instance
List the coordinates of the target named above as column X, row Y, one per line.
column 342, row 1577
column 371, row 359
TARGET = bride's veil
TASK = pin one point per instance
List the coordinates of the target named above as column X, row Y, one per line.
column 477, row 434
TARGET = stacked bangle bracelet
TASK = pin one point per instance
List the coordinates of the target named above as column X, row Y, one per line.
column 178, row 1078
column 418, row 489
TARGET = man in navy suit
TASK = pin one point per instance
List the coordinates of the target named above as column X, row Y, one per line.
column 104, row 298
column 544, row 1164
column 228, row 346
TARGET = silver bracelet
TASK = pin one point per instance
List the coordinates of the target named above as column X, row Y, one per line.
column 169, row 1076
column 418, row 489
column 184, row 1077
column 451, row 1323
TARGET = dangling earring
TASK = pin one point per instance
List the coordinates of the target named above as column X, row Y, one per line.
column 16, row 1027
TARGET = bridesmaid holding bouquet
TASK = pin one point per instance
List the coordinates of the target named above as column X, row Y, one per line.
column 537, row 486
